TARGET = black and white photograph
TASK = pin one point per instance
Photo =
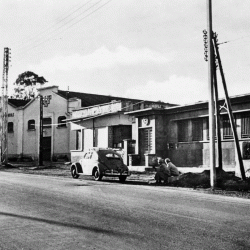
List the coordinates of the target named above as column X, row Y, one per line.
column 125, row 124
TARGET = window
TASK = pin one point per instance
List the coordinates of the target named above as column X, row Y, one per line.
column 148, row 140
column 79, row 139
column 245, row 125
column 47, row 122
column 111, row 156
column 61, row 121
column 10, row 127
column 197, row 129
column 31, row 125
column 88, row 155
column 227, row 130
column 182, row 131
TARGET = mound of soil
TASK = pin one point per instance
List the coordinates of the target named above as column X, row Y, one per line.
column 225, row 181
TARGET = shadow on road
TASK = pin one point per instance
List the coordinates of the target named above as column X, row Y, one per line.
column 70, row 225
column 129, row 182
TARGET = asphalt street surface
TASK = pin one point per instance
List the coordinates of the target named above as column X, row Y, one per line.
column 44, row 212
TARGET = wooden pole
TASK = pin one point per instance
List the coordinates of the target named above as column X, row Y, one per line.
column 217, row 112
column 230, row 113
column 211, row 95
column 41, row 133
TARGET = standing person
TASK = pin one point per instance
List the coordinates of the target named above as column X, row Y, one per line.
column 163, row 172
column 173, row 170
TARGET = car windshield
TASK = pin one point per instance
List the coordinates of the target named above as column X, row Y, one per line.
column 109, row 155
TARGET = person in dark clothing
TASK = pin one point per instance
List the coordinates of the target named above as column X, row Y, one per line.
column 163, row 172
column 173, row 170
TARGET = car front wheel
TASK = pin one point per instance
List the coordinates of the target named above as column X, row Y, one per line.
column 97, row 175
column 74, row 173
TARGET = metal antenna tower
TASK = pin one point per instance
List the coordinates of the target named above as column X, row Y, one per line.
column 4, row 108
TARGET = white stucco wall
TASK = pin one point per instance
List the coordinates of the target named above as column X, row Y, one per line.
column 12, row 136
column 30, row 142
column 101, row 126
column 26, row 142
column 88, row 139
column 102, row 137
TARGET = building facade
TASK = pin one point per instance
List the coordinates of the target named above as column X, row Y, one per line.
column 182, row 133
column 61, row 132
column 107, row 125
column 24, row 134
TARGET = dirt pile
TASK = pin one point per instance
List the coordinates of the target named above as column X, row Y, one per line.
column 225, row 181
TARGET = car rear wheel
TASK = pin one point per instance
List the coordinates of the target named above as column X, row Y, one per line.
column 122, row 178
column 74, row 172
column 97, row 175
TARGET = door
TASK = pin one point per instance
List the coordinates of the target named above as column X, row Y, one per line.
column 145, row 143
column 47, row 148
column 86, row 163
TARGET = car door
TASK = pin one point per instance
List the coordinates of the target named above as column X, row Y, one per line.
column 83, row 161
column 88, row 164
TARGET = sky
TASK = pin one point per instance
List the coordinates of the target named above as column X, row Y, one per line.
column 142, row 49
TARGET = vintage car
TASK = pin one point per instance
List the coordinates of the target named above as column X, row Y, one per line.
column 100, row 162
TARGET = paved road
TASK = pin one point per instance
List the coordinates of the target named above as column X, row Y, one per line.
column 39, row 212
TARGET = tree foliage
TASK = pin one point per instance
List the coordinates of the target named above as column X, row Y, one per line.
column 26, row 85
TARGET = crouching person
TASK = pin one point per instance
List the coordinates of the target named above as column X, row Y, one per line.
column 163, row 172
column 173, row 170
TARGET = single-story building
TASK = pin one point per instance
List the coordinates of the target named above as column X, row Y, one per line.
column 182, row 133
column 107, row 125
column 58, row 140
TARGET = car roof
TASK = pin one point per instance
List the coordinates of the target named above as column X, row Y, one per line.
column 102, row 151
column 99, row 149
column 96, row 149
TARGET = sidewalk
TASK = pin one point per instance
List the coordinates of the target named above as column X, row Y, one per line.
column 142, row 169
column 134, row 169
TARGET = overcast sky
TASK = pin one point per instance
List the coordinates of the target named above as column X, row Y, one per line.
column 144, row 49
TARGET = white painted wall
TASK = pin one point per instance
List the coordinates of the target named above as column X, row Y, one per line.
column 88, row 138
column 26, row 142
column 102, row 137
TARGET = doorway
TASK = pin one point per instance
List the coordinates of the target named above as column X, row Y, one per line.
column 47, row 148
column 145, row 143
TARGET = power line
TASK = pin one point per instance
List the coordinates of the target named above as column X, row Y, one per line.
column 62, row 26
column 44, row 30
column 66, row 28
column 233, row 40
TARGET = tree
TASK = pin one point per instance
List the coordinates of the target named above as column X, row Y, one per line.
column 26, row 85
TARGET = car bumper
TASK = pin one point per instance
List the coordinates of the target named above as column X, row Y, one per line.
column 116, row 173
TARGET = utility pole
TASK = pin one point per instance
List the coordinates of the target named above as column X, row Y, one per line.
column 212, row 56
column 230, row 111
column 4, row 108
column 217, row 112
column 41, row 132
column 44, row 101
column 211, row 94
